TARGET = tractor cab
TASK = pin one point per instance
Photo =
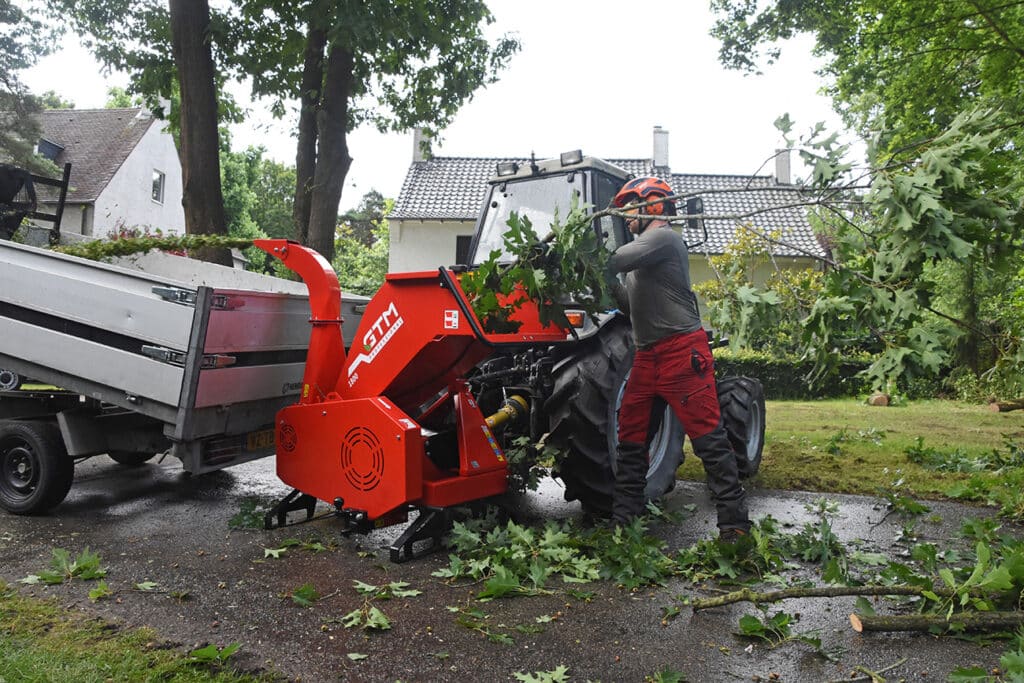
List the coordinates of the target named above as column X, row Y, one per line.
column 539, row 189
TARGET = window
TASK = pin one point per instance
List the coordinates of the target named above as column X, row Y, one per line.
column 158, row 186
column 462, row 243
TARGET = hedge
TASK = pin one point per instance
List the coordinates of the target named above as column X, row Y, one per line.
column 786, row 378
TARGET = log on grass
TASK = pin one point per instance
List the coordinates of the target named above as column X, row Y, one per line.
column 1006, row 406
column 971, row 621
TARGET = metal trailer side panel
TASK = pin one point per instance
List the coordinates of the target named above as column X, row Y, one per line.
column 115, row 300
column 245, row 361
column 92, row 369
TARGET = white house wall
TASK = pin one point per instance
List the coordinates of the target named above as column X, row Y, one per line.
column 424, row 245
column 127, row 199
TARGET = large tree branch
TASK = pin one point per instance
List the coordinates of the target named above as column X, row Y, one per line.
column 999, row 30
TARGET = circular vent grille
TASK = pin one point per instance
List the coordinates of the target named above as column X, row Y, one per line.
column 362, row 459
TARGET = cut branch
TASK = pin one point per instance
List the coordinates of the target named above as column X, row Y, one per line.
column 748, row 595
column 970, row 621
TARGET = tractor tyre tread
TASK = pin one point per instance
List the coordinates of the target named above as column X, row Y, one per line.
column 741, row 402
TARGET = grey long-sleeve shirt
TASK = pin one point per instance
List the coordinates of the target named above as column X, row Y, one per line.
column 657, row 269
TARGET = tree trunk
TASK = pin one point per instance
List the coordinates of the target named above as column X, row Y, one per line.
column 971, row 621
column 332, row 161
column 199, row 153
column 1006, row 406
column 305, row 156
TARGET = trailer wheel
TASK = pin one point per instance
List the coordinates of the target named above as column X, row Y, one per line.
column 741, row 400
column 583, row 422
column 9, row 380
column 35, row 470
column 130, row 458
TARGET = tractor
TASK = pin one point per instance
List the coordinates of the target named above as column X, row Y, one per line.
column 418, row 414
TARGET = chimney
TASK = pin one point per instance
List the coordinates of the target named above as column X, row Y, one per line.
column 782, row 175
column 420, row 145
column 660, row 150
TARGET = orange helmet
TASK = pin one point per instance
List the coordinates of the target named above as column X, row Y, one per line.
column 642, row 190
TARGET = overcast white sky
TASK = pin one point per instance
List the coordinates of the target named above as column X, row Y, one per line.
column 592, row 74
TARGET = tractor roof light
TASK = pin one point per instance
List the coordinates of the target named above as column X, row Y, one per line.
column 506, row 168
column 570, row 158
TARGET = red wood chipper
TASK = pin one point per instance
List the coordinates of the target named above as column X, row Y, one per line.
column 392, row 425
column 416, row 415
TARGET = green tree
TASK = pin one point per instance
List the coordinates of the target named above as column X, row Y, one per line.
column 52, row 100
column 391, row 65
column 933, row 88
column 917, row 65
column 349, row 63
column 364, row 218
column 361, row 266
column 120, row 98
column 240, row 200
column 23, row 40
column 273, row 185
column 761, row 315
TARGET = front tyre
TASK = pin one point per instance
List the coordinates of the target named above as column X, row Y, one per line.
column 35, row 470
column 583, row 422
column 741, row 401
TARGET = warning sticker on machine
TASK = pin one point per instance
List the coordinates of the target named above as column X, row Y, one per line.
column 451, row 320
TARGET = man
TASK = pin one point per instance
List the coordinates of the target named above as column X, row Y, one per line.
column 673, row 361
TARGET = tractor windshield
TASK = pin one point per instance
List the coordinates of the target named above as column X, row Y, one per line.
column 536, row 198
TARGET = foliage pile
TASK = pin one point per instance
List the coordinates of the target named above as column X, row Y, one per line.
column 568, row 267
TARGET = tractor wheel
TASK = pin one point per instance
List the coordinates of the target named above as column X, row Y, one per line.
column 130, row 458
column 741, row 400
column 583, row 422
column 35, row 470
column 9, row 380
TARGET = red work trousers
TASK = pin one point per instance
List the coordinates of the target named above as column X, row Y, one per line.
column 680, row 370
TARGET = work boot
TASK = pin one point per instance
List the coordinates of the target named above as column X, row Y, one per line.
column 630, row 483
column 719, row 459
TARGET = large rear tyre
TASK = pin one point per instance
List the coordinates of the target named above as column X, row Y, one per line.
column 583, row 422
column 741, row 401
column 35, row 470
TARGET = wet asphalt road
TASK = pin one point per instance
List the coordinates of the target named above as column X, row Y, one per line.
column 154, row 524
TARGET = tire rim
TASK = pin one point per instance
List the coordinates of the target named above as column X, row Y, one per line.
column 9, row 380
column 754, row 434
column 20, row 473
column 659, row 444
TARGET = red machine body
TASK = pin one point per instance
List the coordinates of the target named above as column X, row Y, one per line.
column 393, row 423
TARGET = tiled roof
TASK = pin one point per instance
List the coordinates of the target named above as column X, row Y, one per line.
column 96, row 142
column 453, row 188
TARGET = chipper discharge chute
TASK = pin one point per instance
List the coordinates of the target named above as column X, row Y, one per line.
column 392, row 425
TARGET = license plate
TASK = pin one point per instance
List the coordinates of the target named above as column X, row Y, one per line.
column 261, row 440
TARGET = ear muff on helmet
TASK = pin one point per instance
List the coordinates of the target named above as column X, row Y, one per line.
column 643, row 190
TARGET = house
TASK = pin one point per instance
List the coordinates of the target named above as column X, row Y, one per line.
column 434, row 217
column 125, row 171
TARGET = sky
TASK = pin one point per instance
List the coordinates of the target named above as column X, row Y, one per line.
column 594, row 75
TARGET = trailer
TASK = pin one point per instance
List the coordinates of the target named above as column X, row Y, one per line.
column 154, row 355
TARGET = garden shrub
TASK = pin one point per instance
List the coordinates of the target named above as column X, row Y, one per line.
column 787, row 377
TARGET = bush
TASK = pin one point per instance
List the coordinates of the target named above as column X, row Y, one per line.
column 786, row 378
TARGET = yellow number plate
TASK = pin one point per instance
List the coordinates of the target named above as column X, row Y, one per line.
column 258, row 441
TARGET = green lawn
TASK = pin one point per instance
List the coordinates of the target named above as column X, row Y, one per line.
column 846, row 446
column 40, row 641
